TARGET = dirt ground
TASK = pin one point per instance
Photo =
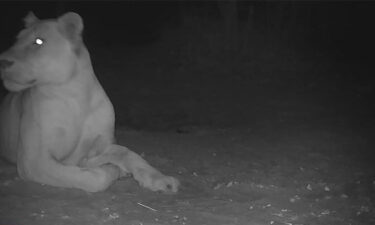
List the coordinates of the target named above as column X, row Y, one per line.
column 282, row 174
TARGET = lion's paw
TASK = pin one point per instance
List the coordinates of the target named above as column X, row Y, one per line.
column 159, row 182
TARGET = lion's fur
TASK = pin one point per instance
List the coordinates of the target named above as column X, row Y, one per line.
column 57, row 123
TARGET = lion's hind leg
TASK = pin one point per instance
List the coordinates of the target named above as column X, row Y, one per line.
column 131, row 162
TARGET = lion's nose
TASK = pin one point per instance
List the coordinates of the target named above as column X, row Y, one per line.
column 4, row 63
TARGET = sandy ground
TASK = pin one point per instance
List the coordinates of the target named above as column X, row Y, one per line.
column 289, row 174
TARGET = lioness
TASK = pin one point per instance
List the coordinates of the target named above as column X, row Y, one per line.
column 57, row 122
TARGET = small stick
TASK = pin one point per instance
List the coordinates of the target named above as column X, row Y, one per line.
column 147, row 207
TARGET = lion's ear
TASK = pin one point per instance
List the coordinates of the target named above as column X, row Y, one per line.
column 71, row 25
column 30, row 19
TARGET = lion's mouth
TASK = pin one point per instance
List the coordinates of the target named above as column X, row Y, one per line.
column 15, row 85
column 27, row 83
column 11, row 78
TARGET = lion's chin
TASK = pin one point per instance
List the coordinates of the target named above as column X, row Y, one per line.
column 17, row 86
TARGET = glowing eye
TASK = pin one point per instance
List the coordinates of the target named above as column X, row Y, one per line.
column 38, row 41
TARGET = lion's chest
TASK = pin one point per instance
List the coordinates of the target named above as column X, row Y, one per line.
column 56, row 123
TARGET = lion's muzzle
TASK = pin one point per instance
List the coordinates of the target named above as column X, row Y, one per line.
column 12, row 80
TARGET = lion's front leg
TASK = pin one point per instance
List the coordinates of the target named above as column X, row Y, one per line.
column 49, row 171
column 131, row 162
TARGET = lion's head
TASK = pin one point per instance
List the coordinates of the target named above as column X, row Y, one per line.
column 45, row 52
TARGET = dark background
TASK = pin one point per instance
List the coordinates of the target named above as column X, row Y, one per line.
column 182, row 64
